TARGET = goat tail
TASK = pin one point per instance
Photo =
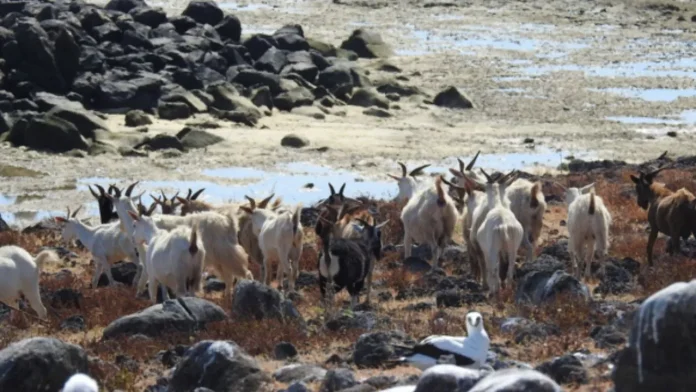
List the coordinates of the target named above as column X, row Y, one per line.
column 296, row 218
column 536, row 188
column 193, row 240
column 232, row 228
column 44, row 257
column 593, row 207
column 440, row 192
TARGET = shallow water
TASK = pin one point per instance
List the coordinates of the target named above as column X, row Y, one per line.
column 687, row 117
column 651, row 94
column 682, row 67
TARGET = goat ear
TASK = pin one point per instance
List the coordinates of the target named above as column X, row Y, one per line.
column 587, row 188
column 60, row 219
column 635, row 179
column 456, row 173
column 394, row 177
column 246, row 209
column 181, row 200
column 134, row 215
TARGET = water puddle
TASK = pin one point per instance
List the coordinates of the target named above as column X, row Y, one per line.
column 678, row 68
column 651, row 94
column 6, row 200
column 687, row 117
column 24, row 218
column 244, row 6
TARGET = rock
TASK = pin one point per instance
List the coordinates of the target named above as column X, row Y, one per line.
column 308, row 72
column 137, row 118
column 67, row 56
column 543, row 286
column 525, row 330
column 227, row 98
column 367, row 97
column 47, row 101
column 40, row 364
column 38, row 55
column 566, row 369
column 447, row 378
column 323, row 48
column 122, row 272
column 261, row 96
column 124, row 5
column 338, row 380
column 299, row 96
column 252, row 78
column 173, row 110
column 284, row 350
column 416, row 264
column 135, row 93
column 255, row 301
column 204, row 12
column 212, row 285
column 192, row 100
column 295, row 141
column 240, row 116
column 73, row 323
column 456, row 298
column 186, row 314
column 580, row 166
column 559, row 250
column 357, row 320
column 660, row 352
column 85, row 121
column 377, row 112
column 336, row 76
column 273, row 61
column 291, row 42
column 608, row 336
column 513, row 380
column 151, row 17
column 161, row 142
column 258, row 44
column 230, row 27
column 297, row 387
column 196, row 138
column 299, row 373
column 221, row 366
column 452, row 98
column 47, row 133
column 373, row 350
column 367, row 44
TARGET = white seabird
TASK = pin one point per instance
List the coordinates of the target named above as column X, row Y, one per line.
column 469, row 352
column 80, row 382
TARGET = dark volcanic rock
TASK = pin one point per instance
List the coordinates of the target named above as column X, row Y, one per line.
column 299, row 96
column 367, row 97
column 40, row 364
column 39, row 56
column 273, row 60
column 294, row 141
column 47, row 133
column 566, row 369
column 514, row 380
column 255, row 301
column 338, row 380
column 173, row 110
column 230, row 27
column 447, row 378
column 299, row 373
column 367, row 44
column 162, row 142
column 196, row 138
column 122, row 273
column 283, row 351
column 219, row 366
column 186, row 314
column 137, row 118
column 375, row 349
column 451, row 97
column 542, row 286
column 204, row 12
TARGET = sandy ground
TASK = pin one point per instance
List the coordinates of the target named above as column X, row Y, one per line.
column 533, row 70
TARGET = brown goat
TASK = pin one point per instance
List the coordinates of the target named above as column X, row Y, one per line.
column 670, row 213
column 168, row 206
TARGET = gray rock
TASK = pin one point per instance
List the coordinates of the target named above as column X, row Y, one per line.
column 298, row 96
column 308, row 71
column 294, row 141
column 338, row 380
column 221, row 366
column 377, row 112
column 373, row 350
column 38, row 55
column 367, row 44
column 204, row 12
column 447, row 378
column 255, row 301
column 227, row 98
column 230, row 27
column 173, row 110
column 273, row 61
column 524, row 330
column 48, row 133
column 186, row 314
column 137, row 118
column 197, row 138
column 336, row 76
column 161, row 142
column 299, row 373
column 298, row 387
column 212, row 285
column 661, row 350
column 566, row 369
column 539, row 287
column 40, row 364
column 189, row 98
column 261, row 96
column 452, row 98
column 47, row 101
column 284, row 350
column 73, row 323
column 122, row 272
column 367, row 97
column 514, row 380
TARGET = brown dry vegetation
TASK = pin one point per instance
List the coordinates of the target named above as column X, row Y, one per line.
column 575, row 318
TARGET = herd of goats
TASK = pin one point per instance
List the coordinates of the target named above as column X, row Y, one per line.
column 500, row 213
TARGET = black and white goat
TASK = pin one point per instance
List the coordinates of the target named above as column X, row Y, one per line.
column 348, row 262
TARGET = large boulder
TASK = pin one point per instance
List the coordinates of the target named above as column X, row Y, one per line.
column 273, row 60
column 514, row 380
column 85, row 121
column 367, row 97
column 197, row 138
column 661, row 352
column 256, row 301
column 367, row 44
column 204, row 12
column 452, row 98
column 336, row 76
column 376, row 348
column 186, row 314
column 541, row 283
column 124, row 5
column 230, row 27
column 298, row 96
column 40, row 364
column 566, row 369
column 138, row 92
column 38, row 54
column 173, row 110
column 447, row 378
column 47, row 133
column 252, row 77
column 152, row 17
column 299, row 373
column 338, row 380
column 221, row 366
column 67, row 55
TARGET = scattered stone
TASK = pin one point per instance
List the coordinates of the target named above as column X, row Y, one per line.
column 367, row 44
column 608, row 336
column 299, row 373
column 367, row 97
column 219, row 366
column 525, row 330
column 294, row 98
column 122, row 272
column 542, row 286
column 40, row 364
column 284, row 350
column 255, row 301
column 73, row 323
column 373, row 350
column 455, row 298
column 452, row 98
column 566, row 369
column 338, row 380
column 161, row 142
column 509, row 380
column 196, row 138
column 204, row 12
column 294, row 141
column 47, row 133
column 377, row 112
column 447, row 378
column 173, row 110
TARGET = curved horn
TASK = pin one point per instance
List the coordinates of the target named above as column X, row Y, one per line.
column 265, row 201
column 93, row 192
column 343, row 188
column 101, row 190
column 129, row 190
column 403, row 169
column 462, row 166
column 418, row 171
column 198, row 193
column 156, row 200
column 471, row 164
column 252, row 202
column 488, row 178
column 663, row 156
column 331, row 188
column 117, row 192
column 68, row 215
column 188, row 195
column 75, row 212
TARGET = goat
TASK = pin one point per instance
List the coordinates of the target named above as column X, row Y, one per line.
column 107, row 243
column 347, row 262
column 280, row 236
column 335, row 199
column 218, row 232
column 80, row 382
column 106, row 207
column 168, row 206
column 528, row 203
column 500, row 233
column 429, row 218
column 670, row 213
column 174, row 258
column 464, row 169
column 191, row 204
column 408, row 181
column 19, row 274
column 588, row 227
column 470, row 198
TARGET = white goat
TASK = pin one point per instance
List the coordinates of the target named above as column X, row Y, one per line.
column 588, row 227
column 500, row 233
column 218, row 232
column 464, row 169
column 408, row 182
column 80, row 382
column 280, row 237
column 107, row 243
column 528, row 203
column 174, row 258
column 19, row 274
column 429, row 218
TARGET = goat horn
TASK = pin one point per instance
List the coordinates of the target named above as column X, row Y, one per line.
column 418, row 171
column 76, row 211
column 156, row 200
column 488, row 178
column 265, row 201
column 462, row 166
column 101, row 189
column 198, row 193
column 403, row 169
column 333, row 191
column 252, row 202
column 117, row 192
column 663, row 156
column 68, row 215
column 471, row 164
column 92, row 191
column 188, row 195
column 129, row 190
column 343, row 187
